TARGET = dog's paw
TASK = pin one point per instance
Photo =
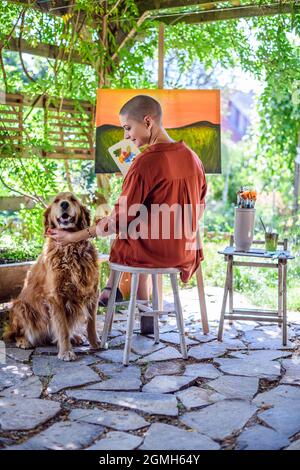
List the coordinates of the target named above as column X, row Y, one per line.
column 77, row 340
column 95, row 344
column 23, row 343
column 67, row 356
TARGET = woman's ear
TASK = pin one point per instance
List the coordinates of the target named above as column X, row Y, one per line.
column 47, row 221
column 84, row 218
column 147, row 121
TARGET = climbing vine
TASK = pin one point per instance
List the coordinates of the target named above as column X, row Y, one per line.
column 104, row 44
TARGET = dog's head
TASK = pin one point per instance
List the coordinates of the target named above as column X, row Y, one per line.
column 67, row 212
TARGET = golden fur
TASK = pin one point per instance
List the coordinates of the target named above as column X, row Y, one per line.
column 61, row 289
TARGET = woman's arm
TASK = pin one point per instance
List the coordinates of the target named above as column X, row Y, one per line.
column 63, row 237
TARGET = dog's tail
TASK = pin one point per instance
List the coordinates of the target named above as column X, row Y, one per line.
column 8, row 333
column 15, row 325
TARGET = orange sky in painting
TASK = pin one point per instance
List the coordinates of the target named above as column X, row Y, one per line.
column 180, row 107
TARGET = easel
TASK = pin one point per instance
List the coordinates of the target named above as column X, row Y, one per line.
column 199, row 274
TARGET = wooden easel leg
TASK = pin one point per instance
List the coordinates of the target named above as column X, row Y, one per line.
column 202, row 302
column 230, row 264
column 223, row 309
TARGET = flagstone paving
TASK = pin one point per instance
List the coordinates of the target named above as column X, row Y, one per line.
column 242, row 393
column 260, row 437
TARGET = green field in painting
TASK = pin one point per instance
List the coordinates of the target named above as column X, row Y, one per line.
column 202, row 137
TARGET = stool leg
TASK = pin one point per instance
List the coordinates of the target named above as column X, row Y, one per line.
column 160, row 291
column 179, row 316
column 155, row 303
column 221, row 324
column 130, row 317
column 110, row 309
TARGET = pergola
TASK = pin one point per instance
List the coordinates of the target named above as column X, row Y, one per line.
column 168, row 12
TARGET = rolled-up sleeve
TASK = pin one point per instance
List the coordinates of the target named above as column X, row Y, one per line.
column 134, row 193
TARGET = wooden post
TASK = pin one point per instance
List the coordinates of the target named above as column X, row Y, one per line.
column 160, row 84
column 201, row 292
column 201, row 295
column 161, row 36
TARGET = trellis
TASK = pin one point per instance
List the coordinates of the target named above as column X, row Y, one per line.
column 68, row 126
column 11, row 117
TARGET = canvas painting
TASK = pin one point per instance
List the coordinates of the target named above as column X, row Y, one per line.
column 189, row 115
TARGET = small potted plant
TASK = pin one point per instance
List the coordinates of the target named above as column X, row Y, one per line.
column 244, row 219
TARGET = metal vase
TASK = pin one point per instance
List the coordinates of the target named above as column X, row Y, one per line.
column 243, row 228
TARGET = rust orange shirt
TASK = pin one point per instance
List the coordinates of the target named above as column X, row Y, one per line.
column 168, row 174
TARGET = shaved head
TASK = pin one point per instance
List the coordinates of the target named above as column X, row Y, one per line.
column 140, row 106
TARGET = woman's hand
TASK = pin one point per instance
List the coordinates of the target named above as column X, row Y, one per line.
column 61, row 237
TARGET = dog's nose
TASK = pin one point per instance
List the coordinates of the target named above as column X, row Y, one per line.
column 64, row 205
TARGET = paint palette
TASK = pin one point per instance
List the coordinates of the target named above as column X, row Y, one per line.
column 123, row 154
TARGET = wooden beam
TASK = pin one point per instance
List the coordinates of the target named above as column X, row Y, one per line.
column 41, row 50
column 149, row 5
column 16, row 203
column 229, row 13
column 54, row 7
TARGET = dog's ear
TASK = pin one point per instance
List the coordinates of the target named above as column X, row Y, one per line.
column 47, row 221
column 84, row 218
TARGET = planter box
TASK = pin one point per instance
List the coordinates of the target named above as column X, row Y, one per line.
column 12, row 278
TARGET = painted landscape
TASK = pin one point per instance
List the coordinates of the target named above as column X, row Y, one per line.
column 202, row 136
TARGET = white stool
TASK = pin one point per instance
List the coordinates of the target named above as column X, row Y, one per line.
column 117, row 270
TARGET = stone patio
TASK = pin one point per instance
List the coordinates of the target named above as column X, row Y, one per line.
column 243, row 393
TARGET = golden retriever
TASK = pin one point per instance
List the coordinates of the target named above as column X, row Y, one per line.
column 61, row 289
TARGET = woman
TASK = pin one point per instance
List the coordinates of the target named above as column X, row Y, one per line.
column 168, row 174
